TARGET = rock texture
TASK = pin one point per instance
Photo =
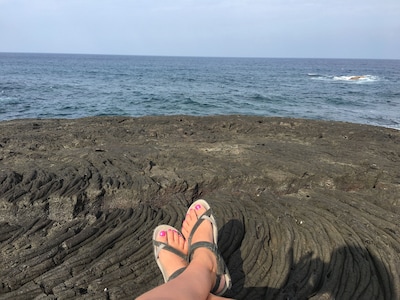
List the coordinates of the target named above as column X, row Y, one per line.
column 306, row 209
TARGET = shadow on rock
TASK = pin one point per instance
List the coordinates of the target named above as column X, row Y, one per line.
column 352, row 272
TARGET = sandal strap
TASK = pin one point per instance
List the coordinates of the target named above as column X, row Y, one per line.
column 221, row 267
column 163, row 246
column 211, row 246
column 205, row 216
column 176, row 273
column 216, row 285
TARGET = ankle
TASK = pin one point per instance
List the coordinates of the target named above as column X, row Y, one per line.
column 204, row 265
column 206, row 258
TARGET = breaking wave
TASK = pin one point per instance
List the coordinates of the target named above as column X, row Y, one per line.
column 346, row 78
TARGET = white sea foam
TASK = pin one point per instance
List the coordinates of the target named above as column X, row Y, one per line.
column 356, row 78
column 347, row 78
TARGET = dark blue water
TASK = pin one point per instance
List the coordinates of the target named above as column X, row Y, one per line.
column 74, row 86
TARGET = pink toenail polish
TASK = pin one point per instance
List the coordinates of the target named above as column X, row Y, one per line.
column 198, row 206
column 162, row 233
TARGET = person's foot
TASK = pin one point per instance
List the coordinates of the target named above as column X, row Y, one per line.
column 204, row 233
column 170, row 261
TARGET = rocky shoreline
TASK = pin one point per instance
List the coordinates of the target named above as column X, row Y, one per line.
column 306, row 209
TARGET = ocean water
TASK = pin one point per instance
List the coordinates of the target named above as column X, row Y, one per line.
column 75, row 86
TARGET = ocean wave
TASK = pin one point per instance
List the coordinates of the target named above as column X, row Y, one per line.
column 356, row 78
column 345, row 78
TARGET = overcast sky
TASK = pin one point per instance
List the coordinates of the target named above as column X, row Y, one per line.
column 244, row 28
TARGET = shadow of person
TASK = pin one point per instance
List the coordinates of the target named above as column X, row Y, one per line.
column 351, row 272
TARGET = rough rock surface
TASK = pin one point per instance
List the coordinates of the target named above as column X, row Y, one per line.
column 306, row 209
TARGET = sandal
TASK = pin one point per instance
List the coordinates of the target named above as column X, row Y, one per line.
column 158, row 246
column 222, row 269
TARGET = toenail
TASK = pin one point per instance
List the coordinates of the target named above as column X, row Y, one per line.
column 198, row 206
column 162, row 233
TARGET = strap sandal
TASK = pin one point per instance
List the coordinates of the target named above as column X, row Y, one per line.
column 222, row 269
column 158, row 246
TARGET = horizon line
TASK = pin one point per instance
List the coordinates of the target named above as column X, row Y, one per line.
column 191, row 56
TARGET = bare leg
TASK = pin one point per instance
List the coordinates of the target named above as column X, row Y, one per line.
column 200, row 275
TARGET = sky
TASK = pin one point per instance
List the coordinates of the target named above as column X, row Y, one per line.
column 222, row 28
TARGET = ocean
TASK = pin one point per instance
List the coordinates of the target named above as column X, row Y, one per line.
column 75, row 86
